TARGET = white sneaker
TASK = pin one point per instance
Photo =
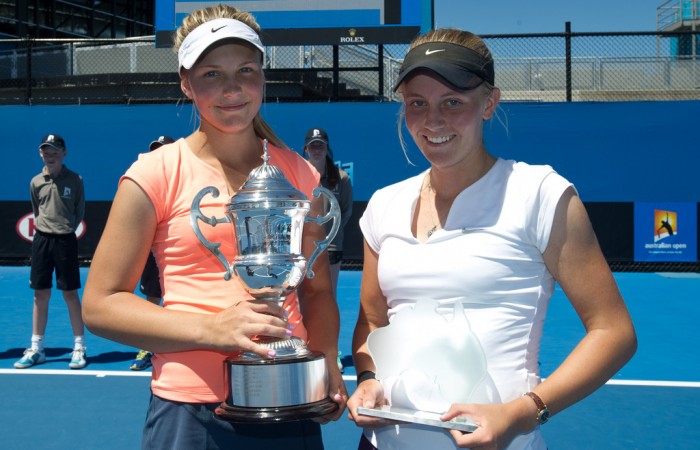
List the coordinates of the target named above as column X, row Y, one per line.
column 340, row 364
column 77, row 359
column 29, row 358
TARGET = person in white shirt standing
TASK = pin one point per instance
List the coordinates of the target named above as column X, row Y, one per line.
column 475, row 244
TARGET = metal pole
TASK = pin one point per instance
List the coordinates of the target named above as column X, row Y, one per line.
column 568, row 61
column 380, row 57
column 29, row 71
column 336, row 72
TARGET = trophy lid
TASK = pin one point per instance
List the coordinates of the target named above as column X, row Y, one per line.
column 266, row 187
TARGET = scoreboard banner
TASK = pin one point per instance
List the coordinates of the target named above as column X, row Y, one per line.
column 314, row 22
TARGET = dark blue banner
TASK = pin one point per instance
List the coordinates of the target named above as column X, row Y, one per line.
column 665, row 232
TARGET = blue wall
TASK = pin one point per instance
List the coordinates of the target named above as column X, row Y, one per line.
column 613, row 152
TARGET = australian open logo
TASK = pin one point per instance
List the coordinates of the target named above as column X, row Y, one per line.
column 666, row 237
column 666, row 224
column 665, row 231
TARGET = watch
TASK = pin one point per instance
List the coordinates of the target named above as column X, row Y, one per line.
column 366, row 375
column 543, row 413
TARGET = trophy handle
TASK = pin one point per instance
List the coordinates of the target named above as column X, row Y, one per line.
column 196, row 213
column 333, row 213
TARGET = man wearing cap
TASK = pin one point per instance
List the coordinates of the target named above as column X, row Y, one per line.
column 58, row 203
column 318, row 151
column 161, row 141
column 150, row 278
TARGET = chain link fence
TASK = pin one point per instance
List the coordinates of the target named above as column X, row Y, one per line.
column 546, row 67
column 597, row 66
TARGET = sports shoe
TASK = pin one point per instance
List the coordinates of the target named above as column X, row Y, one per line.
column 29, row 358
column 340, row 364
column 77, row 359
column 142, row 360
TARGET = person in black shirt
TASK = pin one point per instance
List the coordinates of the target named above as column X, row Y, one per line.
column 150, row 279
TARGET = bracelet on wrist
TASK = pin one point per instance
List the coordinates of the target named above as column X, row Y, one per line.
column 366, row 375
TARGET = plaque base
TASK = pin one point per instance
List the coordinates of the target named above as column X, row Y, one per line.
column 422, row 417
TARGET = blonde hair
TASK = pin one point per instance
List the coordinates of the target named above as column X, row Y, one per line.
column 197, row 18
column 457, row 37
column 221, row 11
column 451, row 36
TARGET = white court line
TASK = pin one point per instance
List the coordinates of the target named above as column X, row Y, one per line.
column 95, row 373
column 123, row 373
column 658, row 383
column 679, row 274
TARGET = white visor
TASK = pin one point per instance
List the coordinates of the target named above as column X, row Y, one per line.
column 202, row 37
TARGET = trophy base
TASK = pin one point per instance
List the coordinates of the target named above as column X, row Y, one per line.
column 265, row 390
column 242, row 414
column 286, row 349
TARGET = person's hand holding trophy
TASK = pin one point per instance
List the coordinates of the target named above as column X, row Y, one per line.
column 268, row 216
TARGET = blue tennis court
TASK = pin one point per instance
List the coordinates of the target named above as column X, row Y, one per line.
column 654, row 402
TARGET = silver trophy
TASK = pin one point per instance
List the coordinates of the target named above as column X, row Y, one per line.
column 268, row 216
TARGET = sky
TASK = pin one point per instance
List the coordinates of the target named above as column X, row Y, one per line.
column 546, row 16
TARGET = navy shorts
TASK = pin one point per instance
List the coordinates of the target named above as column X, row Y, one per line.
column 150, row 278
column 334, row 257
column 186, row 426
column 55, row 251
column 365, row 444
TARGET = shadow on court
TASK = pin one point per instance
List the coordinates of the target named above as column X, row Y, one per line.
column 51, row 353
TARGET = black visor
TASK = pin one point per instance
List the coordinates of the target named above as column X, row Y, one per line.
column 461, row 67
